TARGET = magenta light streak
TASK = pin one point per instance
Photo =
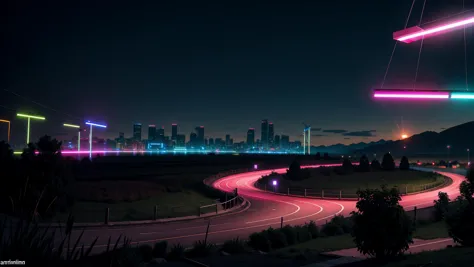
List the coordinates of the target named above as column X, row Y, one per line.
column 413, row 94
column 415, row 33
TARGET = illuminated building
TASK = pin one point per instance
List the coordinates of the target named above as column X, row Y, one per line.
column 285, row 142
column 276, row 142
column 160, row 136
column 227, row 140
column 211, row 142
column 151, row 132
column 137, row 131
column 250, row 137
column 271, row 134
column 174, row 132
column 264, row 134
column 193, row 139
column 200, row 136
column 181, row 140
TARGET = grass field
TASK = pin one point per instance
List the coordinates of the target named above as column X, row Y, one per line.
column 442, row 258
column 134, row 200
column 431, row 231
column 327, row 179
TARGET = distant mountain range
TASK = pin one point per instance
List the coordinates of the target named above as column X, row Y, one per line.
column 459, row 138
column 345, row 149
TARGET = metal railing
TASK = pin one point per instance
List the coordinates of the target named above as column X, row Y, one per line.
column 343, row 194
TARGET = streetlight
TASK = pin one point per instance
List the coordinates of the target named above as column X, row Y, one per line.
column 78, row 134
column 448, row 147
column 275, row 183
column 468, row 158
column 90, row 134
column 28, row 129
column 8, row 140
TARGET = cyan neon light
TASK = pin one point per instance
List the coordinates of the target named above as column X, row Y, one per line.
column 465, row 95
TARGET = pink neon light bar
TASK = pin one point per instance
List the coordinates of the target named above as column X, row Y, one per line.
column 410, row 94
column 416, row 33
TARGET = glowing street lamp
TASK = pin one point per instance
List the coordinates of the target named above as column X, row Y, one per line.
column 448, row 147
column 90, row 134
column 468, row 157
column 29, row 117
column 78, row 134
column 8, row 140
column 275, row 183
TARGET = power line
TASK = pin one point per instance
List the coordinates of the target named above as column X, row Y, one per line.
column 421, row 47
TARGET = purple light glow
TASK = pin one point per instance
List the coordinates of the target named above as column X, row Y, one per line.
column 416, row 33
column 275, row 182
column 255, row 166
column 410, row 94
column 95, row 124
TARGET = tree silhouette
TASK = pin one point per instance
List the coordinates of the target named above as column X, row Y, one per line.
column 460, row 218
column 48, row 146
column 347, row 165
column 326, row 156
column 364, row 164
column 404, row 164
column 294, row 171
column 381, row 226
column 6, row 153
column 375, row 165
column 387, row 162
column 318, row 156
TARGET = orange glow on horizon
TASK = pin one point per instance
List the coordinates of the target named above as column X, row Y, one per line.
column 404, row 136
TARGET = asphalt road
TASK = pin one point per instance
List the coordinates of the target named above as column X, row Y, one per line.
column 265, row 211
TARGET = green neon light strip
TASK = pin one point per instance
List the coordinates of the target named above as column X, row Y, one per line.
column 71, row 125
column 30, row 116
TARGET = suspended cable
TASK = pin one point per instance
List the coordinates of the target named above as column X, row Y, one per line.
column 395, row 45
column 421, row 46
column 41, row 105
column 447, row 17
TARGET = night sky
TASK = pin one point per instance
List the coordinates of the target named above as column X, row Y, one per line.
column 227, row 65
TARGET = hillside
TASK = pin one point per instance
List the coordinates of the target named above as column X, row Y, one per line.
column 459, row 138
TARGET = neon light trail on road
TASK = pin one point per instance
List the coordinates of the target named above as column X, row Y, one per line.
column 416, row 33
column 421, row 94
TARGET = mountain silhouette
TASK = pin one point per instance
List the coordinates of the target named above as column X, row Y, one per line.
column 459, row 138
column 344, row 149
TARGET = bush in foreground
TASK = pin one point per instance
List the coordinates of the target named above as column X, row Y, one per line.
column 441, row 206
column 460, row 217
column 381, row 226
column 234, row 246
column 260, row 241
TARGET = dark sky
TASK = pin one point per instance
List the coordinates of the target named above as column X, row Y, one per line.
column 227, row 65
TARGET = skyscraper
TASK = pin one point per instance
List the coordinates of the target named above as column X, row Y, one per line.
column 276, row 142
column 180, row 140
column 200, row 135
column 137, row 131
column 151, row 132
column 250, row 137
column 160, row 136
column 193, row 139
column 227, row 140
column 174, row 132
column 271, row 134
column 264, row 134
column 285, row 142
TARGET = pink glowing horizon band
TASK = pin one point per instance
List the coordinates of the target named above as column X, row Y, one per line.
column 415, row 33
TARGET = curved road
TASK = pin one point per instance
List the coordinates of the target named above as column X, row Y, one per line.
column 265, row 211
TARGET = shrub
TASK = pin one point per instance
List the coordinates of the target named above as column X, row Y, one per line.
column 295, row 173
column 146, row 252
column 460, row 218
column 404, row 164
column 343, row 223
column 388, row 163
column 375, row 165
column 159, row 249
column 332, row 229
column 364, row 164
column 381, row 226
column 302, row 234
column 260, row 241
column 277, row 238
column 176, row 252
column 347, row 165
column 313, row 229
column 200, row 249
column 290, row 234
column 441, row 206
column 234, row 246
